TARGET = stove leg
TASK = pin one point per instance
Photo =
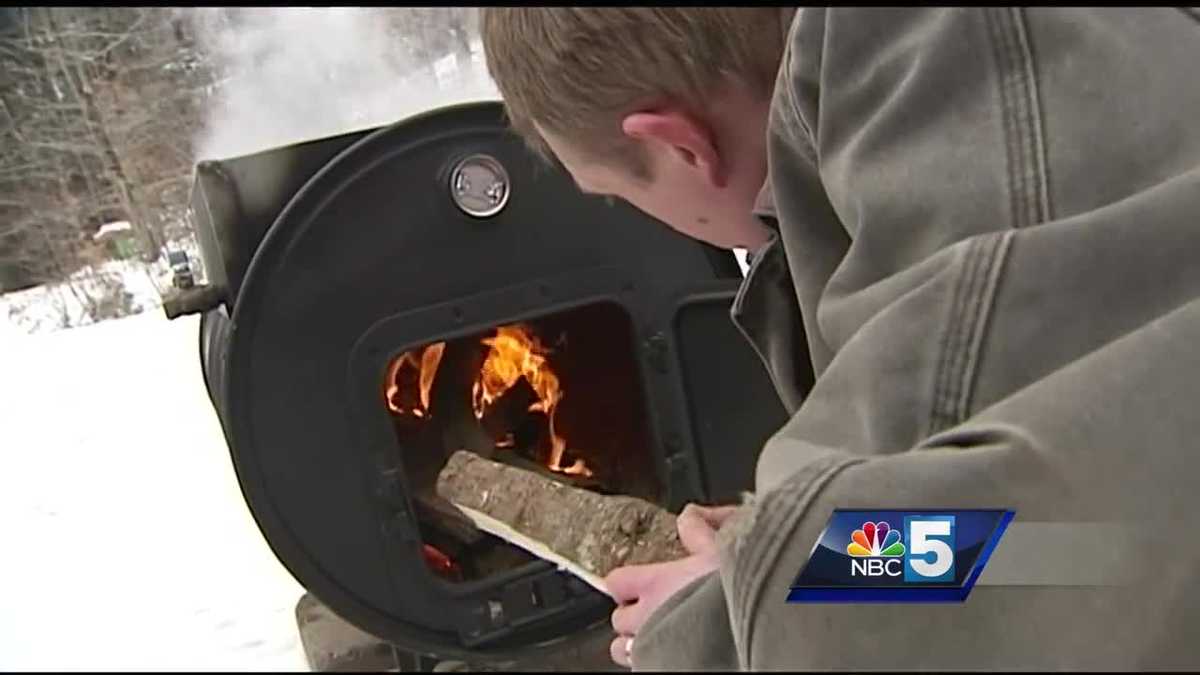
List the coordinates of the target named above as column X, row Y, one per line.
column 332, row 644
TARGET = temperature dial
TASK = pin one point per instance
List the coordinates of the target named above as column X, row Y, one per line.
column 479, row 186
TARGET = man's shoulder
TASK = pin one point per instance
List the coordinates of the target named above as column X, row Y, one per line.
column 788, row 122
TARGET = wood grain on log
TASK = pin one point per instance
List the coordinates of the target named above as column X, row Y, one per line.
column 587, row 533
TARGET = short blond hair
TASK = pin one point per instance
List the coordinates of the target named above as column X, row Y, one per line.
column 576, row 71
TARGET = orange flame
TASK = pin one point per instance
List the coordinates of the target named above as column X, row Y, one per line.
column 426, row 366
column 516, row 353
column 430, row 359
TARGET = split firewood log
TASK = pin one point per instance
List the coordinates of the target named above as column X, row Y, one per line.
column 586, row 533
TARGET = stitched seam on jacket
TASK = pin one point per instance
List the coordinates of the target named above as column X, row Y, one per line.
column 1008, row 120
column 968, row 322
column 943, row 383
column 949, row 376
column 1034, row 124
column 1032, row 194
column 1023, row 119
column 1017, row 104
column 964, row 325
column 765, row 522
column 989, row 280
column 1029, row 204
column 777, row 512
column 768, row 519
column 939, row 387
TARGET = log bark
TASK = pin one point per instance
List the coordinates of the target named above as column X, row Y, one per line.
column 584, row 532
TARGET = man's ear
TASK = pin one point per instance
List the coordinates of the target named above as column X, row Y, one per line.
column 692, row 140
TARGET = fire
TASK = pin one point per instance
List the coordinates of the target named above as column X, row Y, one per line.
column 515, row 353
column 426, row 366
column 430, row 358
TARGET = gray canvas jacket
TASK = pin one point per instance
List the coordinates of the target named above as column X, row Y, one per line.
column 988, row 254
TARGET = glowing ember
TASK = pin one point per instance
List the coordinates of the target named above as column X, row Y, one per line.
column 440, row 562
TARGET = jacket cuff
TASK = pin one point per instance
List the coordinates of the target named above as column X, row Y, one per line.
column 690, row 631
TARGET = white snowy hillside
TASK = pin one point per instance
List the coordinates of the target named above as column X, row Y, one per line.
column 126, row 542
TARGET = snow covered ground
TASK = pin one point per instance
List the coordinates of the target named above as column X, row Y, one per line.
column 125, row 543
column 51, row 307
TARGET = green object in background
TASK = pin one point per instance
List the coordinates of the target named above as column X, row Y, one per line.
column 123, row 248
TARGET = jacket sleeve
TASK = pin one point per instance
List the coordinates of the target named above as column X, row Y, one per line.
column 996, row 267
column 1110, row 438
column 691, row 632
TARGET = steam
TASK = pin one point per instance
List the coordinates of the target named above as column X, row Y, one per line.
column 293, row 74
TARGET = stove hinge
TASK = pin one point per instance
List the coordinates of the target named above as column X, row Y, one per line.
column 521, row 602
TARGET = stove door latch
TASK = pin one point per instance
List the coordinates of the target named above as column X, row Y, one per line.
column 523, row 601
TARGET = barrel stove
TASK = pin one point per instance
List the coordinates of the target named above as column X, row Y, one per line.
column 378, row 299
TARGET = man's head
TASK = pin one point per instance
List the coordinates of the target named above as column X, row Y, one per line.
column 664, row 107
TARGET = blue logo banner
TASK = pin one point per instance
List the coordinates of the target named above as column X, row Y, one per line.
column 923, row 555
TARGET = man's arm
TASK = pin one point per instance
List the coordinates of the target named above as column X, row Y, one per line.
column 1011, row 322
column 1111, row 438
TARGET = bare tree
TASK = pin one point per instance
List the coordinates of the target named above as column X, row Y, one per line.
column 48, row 169
column 60, row 174
column 101, row 109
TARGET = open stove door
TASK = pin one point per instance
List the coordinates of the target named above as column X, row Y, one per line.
column 325, row 259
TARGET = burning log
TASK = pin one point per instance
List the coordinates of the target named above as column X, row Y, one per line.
column 508, row 411
column 517, row 461
column 451, row 399
column 446, row 518
column 586, row 533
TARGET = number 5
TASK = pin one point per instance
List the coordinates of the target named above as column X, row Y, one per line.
column 920, row 544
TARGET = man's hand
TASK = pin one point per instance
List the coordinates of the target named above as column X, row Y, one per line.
column 640, row 589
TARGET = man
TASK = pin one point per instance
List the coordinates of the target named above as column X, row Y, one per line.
column 980, row 230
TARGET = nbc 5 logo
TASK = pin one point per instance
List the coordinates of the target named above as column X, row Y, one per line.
column 893, row 555
column 877, row 550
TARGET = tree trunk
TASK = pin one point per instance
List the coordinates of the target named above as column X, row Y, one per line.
column 77, row 81
column 588, row 533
